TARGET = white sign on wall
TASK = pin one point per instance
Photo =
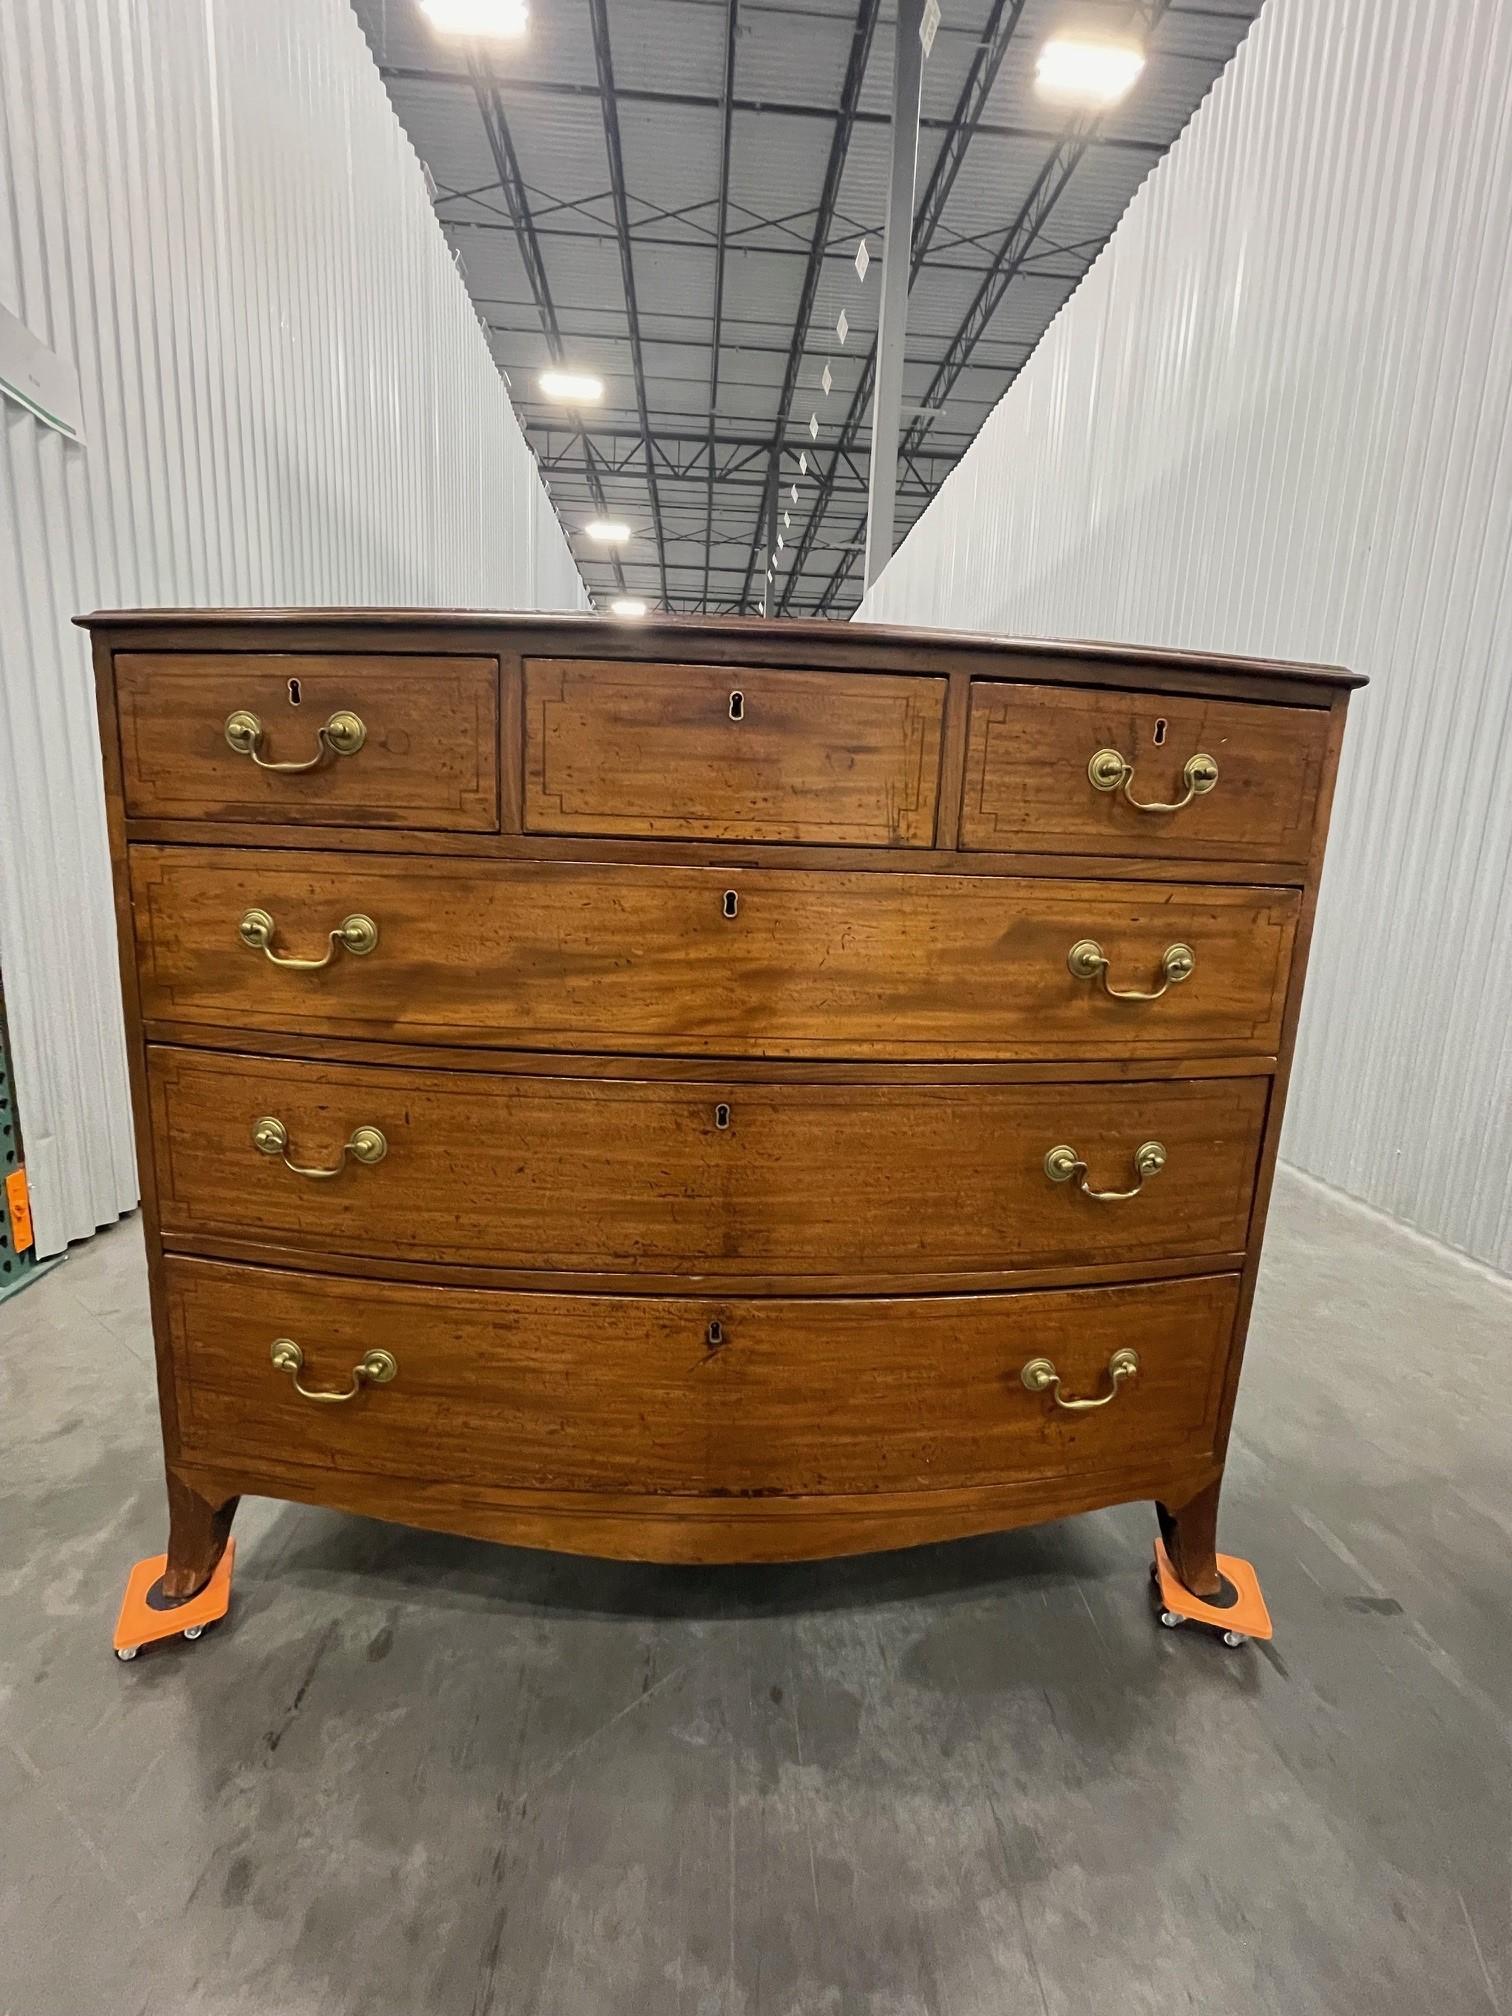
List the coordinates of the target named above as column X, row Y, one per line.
column 37, row 378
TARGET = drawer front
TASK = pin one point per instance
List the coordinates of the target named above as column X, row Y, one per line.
column 1029, row 789
column 697, row 752
column 764, row 962
column 691, row 1395
column 428, row 754
column 616, row 1175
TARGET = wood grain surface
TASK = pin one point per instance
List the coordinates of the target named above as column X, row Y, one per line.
column 809, row 1396
column 1027, row 788
column 430, row 760
column 803, row 1181
column 581, row 956
column 692, row 752
column 717, row 1052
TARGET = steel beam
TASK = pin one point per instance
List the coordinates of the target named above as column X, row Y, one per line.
column 512, row 183
column 965, row 123
column 850, row 97
column 702, row 101
column 892, row 329
column 604, row 57
column 732, row 8
column 1049, row 185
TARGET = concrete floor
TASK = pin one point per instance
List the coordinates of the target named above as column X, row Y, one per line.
column 421, row 1776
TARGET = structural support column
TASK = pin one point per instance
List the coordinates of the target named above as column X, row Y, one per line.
column 892, row 338
column 769, row 518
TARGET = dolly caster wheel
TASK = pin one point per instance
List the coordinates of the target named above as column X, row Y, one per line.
column 1232, row 1638
column 193, row 1632
column 126, row 1651
column 1171, row 1621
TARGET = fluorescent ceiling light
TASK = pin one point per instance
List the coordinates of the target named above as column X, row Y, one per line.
column 483, row 20
column 1093, row 71
column 627, row 606
column 608, row 531
column 573, row 388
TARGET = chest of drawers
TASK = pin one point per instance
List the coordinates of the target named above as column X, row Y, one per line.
column 702, row 1091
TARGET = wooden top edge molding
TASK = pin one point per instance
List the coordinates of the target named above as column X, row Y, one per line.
column 676, row 636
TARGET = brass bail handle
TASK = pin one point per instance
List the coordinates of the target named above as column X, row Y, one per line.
column 343, row 735
column 1110, row 771
column 356, row 934
column 373, row 1368
column 1040, row 1376
column 1062, row 1163
column 365, row 1144
column 1088, row 961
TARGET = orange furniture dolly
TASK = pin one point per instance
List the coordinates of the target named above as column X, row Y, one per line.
column 1236, row 1613
column 146, row 1614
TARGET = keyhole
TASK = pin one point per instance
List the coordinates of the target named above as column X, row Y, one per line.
column 1160, row 731
column 294, row 693
column 721, row 1115
column 737, row 705
column 731, row 903
column 715, row 1334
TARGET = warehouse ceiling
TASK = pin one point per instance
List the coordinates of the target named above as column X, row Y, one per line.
column 671, row 194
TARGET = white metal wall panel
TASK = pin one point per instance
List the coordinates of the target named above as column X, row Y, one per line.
column 212, row 209
column 1277, row 417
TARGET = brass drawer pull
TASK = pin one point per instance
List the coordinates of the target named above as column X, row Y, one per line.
column 1088, row 961
column 1108, row 771
column 1040, row 1376
column 373, row 1368
column 1062, row 1163
column 343, row 735
column 366, row 1144
column 357, row 935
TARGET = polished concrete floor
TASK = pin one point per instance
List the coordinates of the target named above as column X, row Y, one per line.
column 412, row 1776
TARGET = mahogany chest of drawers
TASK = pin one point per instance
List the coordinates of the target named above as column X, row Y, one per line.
column 702, row 1091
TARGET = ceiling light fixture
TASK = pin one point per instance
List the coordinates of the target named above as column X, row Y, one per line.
column 628, row 606
column 1090, row 71
column 572, row 388
column 480, row 20
column 608, row 531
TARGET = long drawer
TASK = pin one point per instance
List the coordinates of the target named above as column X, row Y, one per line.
column 611, row 1175
column 712, row 961
column 695, row 751
column 306, row 739
column 695, row 1395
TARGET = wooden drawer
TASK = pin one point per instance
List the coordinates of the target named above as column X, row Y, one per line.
column 765, row 962
column 429, row 754
column 597, row 1392
column 699, row 752
column 710, row 1178
column 1028, row 788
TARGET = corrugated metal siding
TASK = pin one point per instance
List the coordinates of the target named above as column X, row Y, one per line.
column 288, row 399
column 1275, row 418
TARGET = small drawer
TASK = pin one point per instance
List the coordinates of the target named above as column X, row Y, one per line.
column 756, row 962
column 698, row 752
column 1071, row 770
column 311, row 740
column 717, row 1178
column 692, row 1395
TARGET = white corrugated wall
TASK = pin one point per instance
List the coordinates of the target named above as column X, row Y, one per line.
column 1275, row 418
column 211, row 208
